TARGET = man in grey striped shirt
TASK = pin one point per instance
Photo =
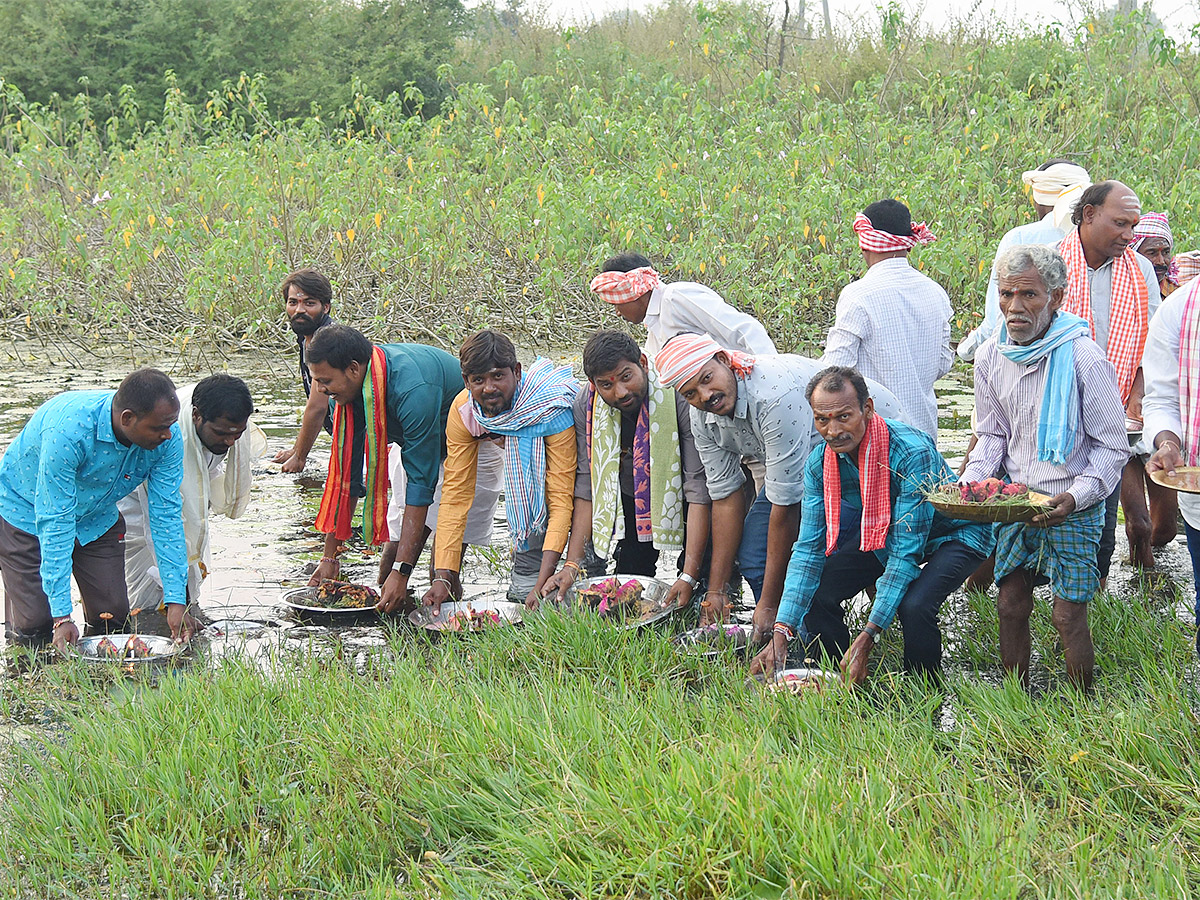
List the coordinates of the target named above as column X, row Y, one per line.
column 1050, row 415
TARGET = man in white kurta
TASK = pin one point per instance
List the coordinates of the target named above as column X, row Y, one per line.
column 219, row 446
column 1171, row 366
column 638, row 295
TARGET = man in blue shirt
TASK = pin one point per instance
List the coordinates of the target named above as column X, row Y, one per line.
column 881, row 468
column 60, row 481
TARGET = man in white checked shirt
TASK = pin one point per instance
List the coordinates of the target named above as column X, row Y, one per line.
column 893, row 324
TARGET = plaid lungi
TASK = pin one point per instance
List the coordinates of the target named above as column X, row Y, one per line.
column 1065, row 553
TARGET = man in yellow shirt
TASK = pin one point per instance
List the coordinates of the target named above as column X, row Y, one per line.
column 530, row 412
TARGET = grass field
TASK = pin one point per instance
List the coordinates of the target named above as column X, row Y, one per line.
column 561, row 760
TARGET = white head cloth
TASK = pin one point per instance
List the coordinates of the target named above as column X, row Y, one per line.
column 1059, row 186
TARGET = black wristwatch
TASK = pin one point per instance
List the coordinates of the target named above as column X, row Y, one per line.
column 404, row 568
column 875, row 634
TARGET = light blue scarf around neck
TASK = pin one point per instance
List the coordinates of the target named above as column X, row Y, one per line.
column 1058, row 420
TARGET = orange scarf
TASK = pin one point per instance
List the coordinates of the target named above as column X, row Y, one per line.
column 336, row 510
column 875, row 486
column 1128, row 314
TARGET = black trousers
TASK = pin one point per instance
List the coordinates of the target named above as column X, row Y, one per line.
column 850, row 570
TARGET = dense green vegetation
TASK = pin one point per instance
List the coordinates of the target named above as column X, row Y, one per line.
column 680, row 135
column 564, row 760
column 311, row 51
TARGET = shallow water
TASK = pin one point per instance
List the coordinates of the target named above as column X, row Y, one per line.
column 273, row 546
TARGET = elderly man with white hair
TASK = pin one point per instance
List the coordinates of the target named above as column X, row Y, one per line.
column 1055, row 186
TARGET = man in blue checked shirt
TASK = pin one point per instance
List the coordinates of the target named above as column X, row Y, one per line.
column 913, row 554
column 60, row 481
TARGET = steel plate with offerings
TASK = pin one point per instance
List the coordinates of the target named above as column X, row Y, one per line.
column 712, row 640
column 634, row 600
column 989, row 500
column 801, row 681
column 1186, row 479
column 128, row 649
column 331, row 599
column 467, row 616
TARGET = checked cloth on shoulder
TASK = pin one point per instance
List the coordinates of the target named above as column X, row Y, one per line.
column 1129, row 315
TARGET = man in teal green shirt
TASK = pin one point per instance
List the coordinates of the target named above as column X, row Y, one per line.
column 418, row 388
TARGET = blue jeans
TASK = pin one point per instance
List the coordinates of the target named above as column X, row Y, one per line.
column 850, row 570
column 752, row 552
column 1108, row 537
column 1193, row 542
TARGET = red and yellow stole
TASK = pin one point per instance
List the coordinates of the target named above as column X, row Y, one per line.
column 336, row 511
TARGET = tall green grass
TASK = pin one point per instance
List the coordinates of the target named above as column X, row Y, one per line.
column 688, row 143
column 561, row 760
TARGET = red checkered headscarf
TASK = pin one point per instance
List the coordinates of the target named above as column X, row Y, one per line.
column 685, row 355
column 625, row 287
column 875, row 241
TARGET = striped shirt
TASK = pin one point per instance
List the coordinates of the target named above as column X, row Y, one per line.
column 916, row 530
column 893, row 325
column 1008, row 402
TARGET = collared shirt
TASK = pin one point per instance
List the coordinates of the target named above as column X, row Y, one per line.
column 916, row 530
column 1160, row 365
column 695, row 489
column 893, row 325
column 1100, row 295
column 1043, row 231
column 458, row 488
column 684, row 307
column 1008, row 403
column 771, row 421
column 422, row 383
column 62, row 476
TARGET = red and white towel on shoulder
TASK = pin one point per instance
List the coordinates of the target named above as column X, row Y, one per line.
column 1128, row 316
column 875, row 486
column 1189, row 376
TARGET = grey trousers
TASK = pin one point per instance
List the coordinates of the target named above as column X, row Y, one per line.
column 99, row 570
column 527, row 565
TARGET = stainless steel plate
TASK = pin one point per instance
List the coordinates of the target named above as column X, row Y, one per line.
column 713, row 640
column 423, row 617
column 303, row 601
column 654, row 592
column 781, row 680
column 162, row 650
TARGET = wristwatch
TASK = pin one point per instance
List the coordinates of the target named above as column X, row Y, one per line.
column 875, row 634
column 694, row 582
column 404, row 568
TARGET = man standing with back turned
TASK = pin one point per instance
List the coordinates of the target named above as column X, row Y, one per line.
column 893, row 324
